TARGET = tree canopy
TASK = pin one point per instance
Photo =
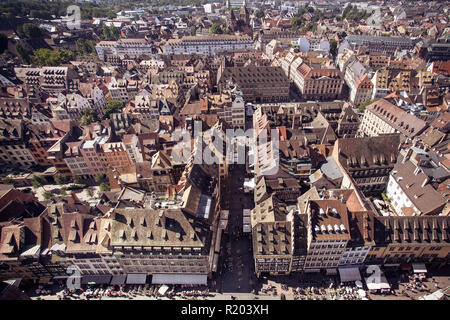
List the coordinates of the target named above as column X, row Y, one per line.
column 333, row 47
column 104, row 187
column 85, row 47
column 3, row 42
column 30, row 31
column 215, row 29
column 60, row 179
column 110, row 33
column 47, row 57
column 113, row 106
column 38, row 181
column 89, row 116
column 23, row 55
column 259, row 13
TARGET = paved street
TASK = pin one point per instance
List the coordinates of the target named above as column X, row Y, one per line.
column 238, row 276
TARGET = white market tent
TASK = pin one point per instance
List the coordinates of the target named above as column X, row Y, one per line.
column 419, row 268
column 375, row 283
column 163, row 289
column 437, row 295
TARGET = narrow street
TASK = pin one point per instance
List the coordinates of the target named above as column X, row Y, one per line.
column 238, row 275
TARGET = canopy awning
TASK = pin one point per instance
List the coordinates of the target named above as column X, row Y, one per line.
column 332, row 271
column 375, row 282
column 13, row 282
column 218, row 240
column 215, row 262
column 349, row 274
column 433, row 296
column 419, row 268
column 171, row 278
column 163, row 289
column 405, row 266
column 136, row 278
column 118, row 279
column 96, row 278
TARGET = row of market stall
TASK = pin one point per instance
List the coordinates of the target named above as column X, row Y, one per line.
column 375, row 279
column 142, row 278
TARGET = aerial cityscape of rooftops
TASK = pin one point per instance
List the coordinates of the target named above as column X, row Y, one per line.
column 224, row 150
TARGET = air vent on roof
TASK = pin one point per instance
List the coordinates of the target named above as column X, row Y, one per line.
column 342, row 227
column 323, row 228
column 317, row 229
column 330, row 228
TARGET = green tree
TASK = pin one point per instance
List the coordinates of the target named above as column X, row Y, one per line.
column 8, row 180
column 90, row 193
column 99, row 177
column 296, row 22
column 47, row 57
column 22, row 54
column 89, row 116
column 47, row 195
column 259, row 13
column 32, row 31
column 76, row 179
column 110, row 33
column 104, row 187
column 363, row 105
column 113, row 106
column 63, row 191
column 85, row 47
column 38, row 181
column 59, row 179
column 333, row 47
column 3, row 42
column 215, row 29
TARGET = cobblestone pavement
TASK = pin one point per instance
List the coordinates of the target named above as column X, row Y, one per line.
column 238, row 276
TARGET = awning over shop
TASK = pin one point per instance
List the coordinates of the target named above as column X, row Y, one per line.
column 433, row 296
column 118, row 279
column 223, row 224
column 136, row 278
column 405, row 267
column 312, row 270
column 331, row 271
column 218, row 240
column 171, row 278
column 215, row 262
column 349, row 274
column 162, row 291
column 419, row 268
column 377, row 282
column 44, row 280
column 96, row 278
column 13, row 282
